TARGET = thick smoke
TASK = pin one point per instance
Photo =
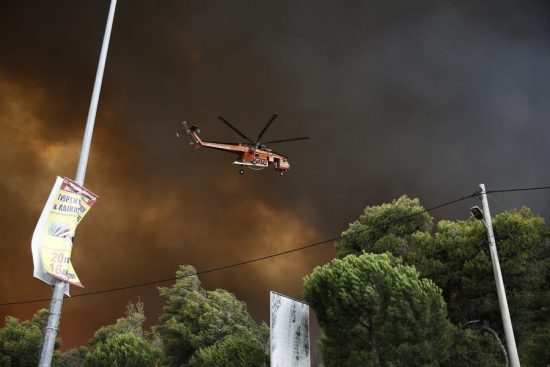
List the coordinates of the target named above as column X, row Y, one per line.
column 426, row 99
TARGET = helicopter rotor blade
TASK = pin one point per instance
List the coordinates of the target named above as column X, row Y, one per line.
column 224, row 142
column 235, row 129
column 266, row 127
column 285, row 140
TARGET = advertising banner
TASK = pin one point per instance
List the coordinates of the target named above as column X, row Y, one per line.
column 52, row 241
column 289, row 332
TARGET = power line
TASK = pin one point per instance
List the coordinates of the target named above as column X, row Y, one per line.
column 301, row 248
column 522, row 189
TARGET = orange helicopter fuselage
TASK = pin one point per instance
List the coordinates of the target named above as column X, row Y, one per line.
column 251, row 156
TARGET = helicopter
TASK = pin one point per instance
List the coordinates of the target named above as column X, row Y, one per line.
column 252, row 154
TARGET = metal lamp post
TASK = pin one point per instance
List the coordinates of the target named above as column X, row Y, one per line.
column 50, row 332
column 485, row 216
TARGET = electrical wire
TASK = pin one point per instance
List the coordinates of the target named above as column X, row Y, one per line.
column 301, row 248
column 522, row 189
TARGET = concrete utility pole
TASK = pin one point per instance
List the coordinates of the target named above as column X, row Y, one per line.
column 50, row 332
column 501, row 292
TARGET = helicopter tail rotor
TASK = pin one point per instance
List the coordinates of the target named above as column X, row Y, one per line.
column 192, row 134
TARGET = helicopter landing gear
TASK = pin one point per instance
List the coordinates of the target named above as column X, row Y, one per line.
column 241, row 172
column 282, row 173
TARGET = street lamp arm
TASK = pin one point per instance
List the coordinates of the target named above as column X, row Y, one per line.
column 486, row 327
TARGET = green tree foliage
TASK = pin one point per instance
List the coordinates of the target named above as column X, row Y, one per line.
column 202, row 327
column 72, row 358
column 20, row 341
column 234, row 350
column 397, row 227
column 132, row 322
column 534, row 348
column 122, row 350
column 474, row 347
column 124, row 344
column 456, row 257
column 375, row 311
column 461, row 265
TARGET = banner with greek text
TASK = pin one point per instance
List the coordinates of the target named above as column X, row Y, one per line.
column 289, row 332
column 52, row 241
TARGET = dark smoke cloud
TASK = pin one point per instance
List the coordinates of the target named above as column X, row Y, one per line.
column 427, row 99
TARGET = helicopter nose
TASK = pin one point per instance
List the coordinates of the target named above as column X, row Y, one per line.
column 284, row 165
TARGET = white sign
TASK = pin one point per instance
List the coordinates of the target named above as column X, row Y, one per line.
column 289, row 332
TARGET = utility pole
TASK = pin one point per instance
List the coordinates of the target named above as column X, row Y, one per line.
column 50, row 332
column 501, row 292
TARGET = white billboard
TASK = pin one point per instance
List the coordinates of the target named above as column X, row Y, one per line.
column 289, row 332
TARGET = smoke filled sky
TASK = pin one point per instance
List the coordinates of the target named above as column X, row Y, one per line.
column 424, row 98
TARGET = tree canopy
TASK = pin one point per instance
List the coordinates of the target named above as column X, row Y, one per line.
column 456, row 258
column 400, row 292
column 374, row 311
column 20, row 341
column 71, row 358
column 196, row 324
column 460, row 263
column 235, row 350
column 123, row 350
column 394, row 227
column 198, row 328
column 124, row 344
